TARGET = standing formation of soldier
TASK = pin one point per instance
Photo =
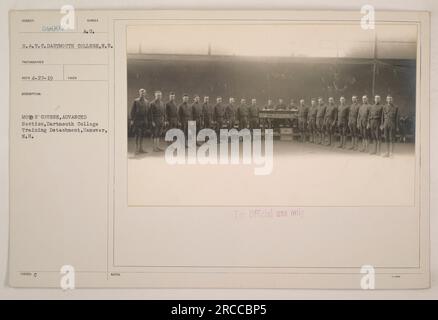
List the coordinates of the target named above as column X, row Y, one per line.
column 361, row 121
column 317, row 123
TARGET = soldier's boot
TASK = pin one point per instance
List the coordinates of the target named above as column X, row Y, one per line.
column 391, row 149
column 364, row 145
column 341, row 142
column 386, row 154
column 378, row 147
column 140, row 148
column 329, row 140
column 374, row 150
column 351, row 147
column 158, row 145
column 156, row 149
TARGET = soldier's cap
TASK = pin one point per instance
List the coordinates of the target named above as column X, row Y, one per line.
column 313, row 99
column 171, row 93
column 389, row 96
column 365, row 96
column 196, row 96
column 142, row 90
column 185, row 95
column 354, row 97
column 158, row 92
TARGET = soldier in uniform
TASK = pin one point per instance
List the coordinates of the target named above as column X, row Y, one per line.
column 139, row 119
column 362, row 122
column 303, row 111
column 185, row 115
column 207, row 112
column 312, row 120
column 352, row 122
column 343, row 111
column 197, row 113
column 375, row 121
column 254, row 115
column 320, row 120
column 157, row 120
column 330, row 118
column 172, row 112
column 390, row 123
column 242, row 114
column 219, row 115
column 230, row 113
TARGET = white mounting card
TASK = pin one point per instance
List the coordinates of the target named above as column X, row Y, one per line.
column 311, row 169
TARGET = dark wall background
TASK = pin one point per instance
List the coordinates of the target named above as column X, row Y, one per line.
column 273, row 78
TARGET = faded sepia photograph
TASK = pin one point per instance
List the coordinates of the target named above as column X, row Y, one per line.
column 330, row 106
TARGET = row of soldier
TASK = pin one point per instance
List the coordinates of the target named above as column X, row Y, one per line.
column 359, row 120
column 318, row 121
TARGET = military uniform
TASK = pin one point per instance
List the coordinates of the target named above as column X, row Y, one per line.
column 375, row 118
column 207, row 114
column 185, row 115
column 362, row 120
column 139, row 115
column 230, row 115
column 197, row 115
column 390, row 125
column 330, row 117
column 352, row 118
column 172, row 114
column 157, row 117
column 343, row 111
column 320, row 113
column 243, row 113
column 352, row 123
column 219, row 115
column 254, row 117
column 311, row 116
column 303, row 112
column 390, row 121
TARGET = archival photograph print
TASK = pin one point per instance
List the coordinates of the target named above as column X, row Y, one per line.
column 271, row 114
